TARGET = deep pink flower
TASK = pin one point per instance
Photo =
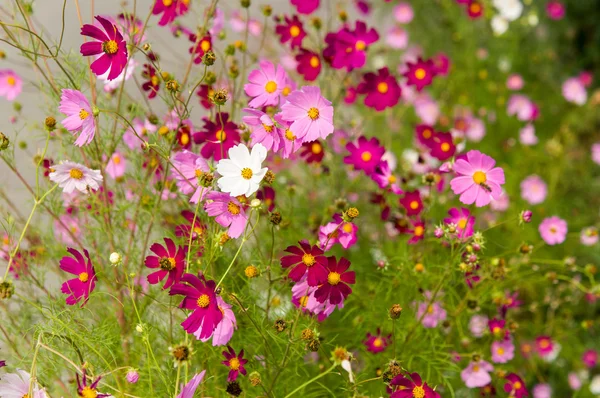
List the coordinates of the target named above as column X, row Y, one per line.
column 83, row 389
column 463, row 220
column 477, row 374
column 475, row 9
column 309, row 64
column 263, row 129
column 515, row 386
column 376, row 343
column 200, row 297
column 498, row 328
column 84, row 284
column 477, row 181
column 80, row 116
column 217, row 136
column 267, row 195
column 303, row 297
column 234, row 362
column 336, row 289
column 291, row 30
column 441, row 64
column 590, row 358
column 442, row 146
column 110, row 44
column 265, row 85
column 11, row 84
column 385, row 178
column 310, row 113
column 170, row 9
column 420, row 74
column 224, row 330
column 553, row 230
column 411, row 386
column 544, row 345
column 347, row 48
column 153, row 81
column 171, row 261
column 417, row 231
column 228, row 212
column 188, row 171
column 425, row 134
column 555, row 10
column 200, row 47
column 364, row 154
column 381, row 89
column 306, row 6
column 312, row 152
column 412, row 202
column 308, row 260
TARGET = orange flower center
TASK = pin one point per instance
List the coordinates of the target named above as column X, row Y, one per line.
column 445, row 147
column 377, row 342
column 11, row 80
column 462, row 223
column 185, row 139
column 360, row 45
column 427, row 134
column 203, row 301
column 233, row 208
column 270, row 87
column 414, row 205
column 289, row 135
column 294, row 31
column 76, row 174
column 382, row 87
column 366, row 156
column 234, row 363
column 314, row 61
column 419, row 230
column 205, row 45
column 420, row 73
column 517, row 385
column 316, row 148
column 418, row 392
column 221, row 136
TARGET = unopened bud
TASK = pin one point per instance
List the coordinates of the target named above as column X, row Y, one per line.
column 115, row 258
column 50, row 123
column 395, row 311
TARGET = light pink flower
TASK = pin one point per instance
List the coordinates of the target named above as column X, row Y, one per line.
column 397, row 38
column 337, row 231
column 189, row 389
column 521, row 106
column 427, row 109
column 143, row 128
column 80, row 116
column 310, row 113
column 589, row 236
column 477, row 181
column 553, row 230
column 515, row 82
column 574, row 91
column 527, row 135
column 477, row 374
column 263, row 129
column 478, row 324
column 228, row 212
column 224, row 330
column 574, row 381
column 11, row 84
column 189, row 167
column 62, row 234
column 434, row 313
column 265, row 85
column 500, row 204
column 503, row 351
column 70, row 176
column 116, row 166
column 17, row 385
column 542, row 391
column 475, row 129
column 534, row 190
column 596, row 153
column 403, row 12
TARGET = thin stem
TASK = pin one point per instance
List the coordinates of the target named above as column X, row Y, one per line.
column 312, row 380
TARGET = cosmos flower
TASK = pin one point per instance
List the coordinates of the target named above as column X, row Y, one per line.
column 218, row 136
column 385, row 178
column 534, row 190
column 310, row 113
column 515, row 386
column 228, row 212
column 188, row 171
column 376, row 343
column 381, row 89
column 200, row 47
column 189, row 389
column 336, row 289
column 590, row 358
column 553, row 230
column 589, row 236
column 420, row 74
column 527, row 135
column 263, row 129
column 555, row 10
column 152, row 83
column 442, row 146
column 265, row 85
column 11, row 84
column 412, row 202
column 348, row 48
column 109, row 43
column 403, row 12
column 522, row 107
column 170, row 10
column 290, row 29
column 312, row 152
column 365, row 154
column 544, row 345
column 411, row 386
column 143, row 128
column 417, row 231
column 170, row 259
column 224, row 330
column 306, row 259
column 70, row 176
column 309, row 65
column 242, row 172
column 478, row 325
column 542, row 390
column 574, row 91
column 116, row 166
column 503, row 350
column 267, row 195
column 16, row 385
column 235, row 363
column 431, row 314
column 477, row 180
column 463, row 220
column 80, row 116
column 84, row 284
column 477, row 374
column 306, row 6
column 596, row 152
column 200, row 298
column 474, row 9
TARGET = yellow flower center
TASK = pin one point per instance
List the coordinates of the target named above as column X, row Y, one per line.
column 308, row 259
column 84, row 277
column 154, row 80
column 500, row 351
column 116, row 159
column 289, row 135
column 88, row 392
column 221, row 135
column 313, row 113
column 392, row 179
column 270, row 87
column 246, row 173
column 167, row 263
column 377, row 342
column 162, row 130
column 110, row 47
column 476, row 368
column 462, row 223
column 382, row 87
column 553, row 230
column 517, row 385
column 294, row 31
column 347, row 227
column 316, row 148
column 333, row 278
column 303, row 301
column 76, row 174
column 167, row 3
column 430, row 309
column 314, row 61
column 419, row 230
column 233, row 208
column 234, row 363
column 445, row 147
column 83, row 114
column 205, row 45
column 475, row 8
column 414, row 205
column 185, row 139
column 203, row 301
column 286, row 91
column 544, row 344
column 420, row 73
column 11, row 80
column 418, row 392
column 360, row 45
column 268, row 129
column 198, row 173
column 479, row 177
column 366, row 156
column 427, row 134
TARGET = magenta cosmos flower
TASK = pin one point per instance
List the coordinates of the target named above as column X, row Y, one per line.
column 171, row 261
column 116, row 166
column 420, row 74
column 290, row 29
column 477, row 374
column 80, row 116
column 411, row 386
column 544, row 345
column 265, row 85
column 336, row 289
column 364, row 154
column 11, row 84
column 85, row 390
column 477, row 180
column 515, row 386
column 381, row 89
column 310, row 113
column 590, row 358
column 235, row 363
column 555, row 10
column 306, row 6
column 170, row 9
column 463, row 220
column 190, row 388
column 309, row 64
column 200, row 297
column 376, row 343
column 412, row 202
column 308, row 260
column 348, row 48
column 110, row 44
column 385, row 178
column 217, row 136
column 228, row 212
column 534, row 190
column 189, row 169
column 224, row 330
column 84, row 284
column 553, row 230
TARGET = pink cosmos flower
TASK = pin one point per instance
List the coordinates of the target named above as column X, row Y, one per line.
column 84, row 284
column 589, row 236
column 189, row 170
column 306, row 6
column 235, row 363
column 477, row 181
column 515, row 82
column 83, row 388
column 396, row 38
column 463, row 220
column 590, row 358
column 381, row 89
column 310, row 113
column 553, row 230
column 291, row 29
column 521, row 106
column 574, row 381
column 337, row 231
column 527, row 135
column 189, row 389
column 555, row 10
column 477, row 374
column 515, row 386
column 365, row 154
column 80, row 116
column 170, row 9
column 503, row 351
column 143, row 128
column 411, row 386
column 412, row 203
column 376, row 343
column 303, row 297
column 574, row 91
column 403, row 12
column 265, row 85
column 228, row 212
column 70, row 176
column 11, row 84
column 64, row 235
column 116, row 166
column 385, row 178
column 534, row 190
column 200, row 298
column 111, row 85
column 170, row 260
column 544, row 345
column 596, row 153
column 263, row 129
column 110, row 44
column 426, row 108
column 224, row 330
column 542, row 390
column 431, row 314
column 16, row 385
column 478, row 325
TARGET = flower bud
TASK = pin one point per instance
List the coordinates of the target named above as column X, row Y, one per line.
column 526, row 216
column 245, row 3
column 307, row 334
column 267, row 11
column 351, row 213
column 254, row 379
column 115, row 258
column 314, row 345
column 395, row 311
column 7, row 289
column 210, row 78
column 50, row 123
column 220, row 97
column 280, row 325
column 209, row 58
column 172, row 86
column 275, row 218
column 234, row 389
column 255, row 203
column 252, row 271
column 269, row 177
column 4, row 142
column 132, row 376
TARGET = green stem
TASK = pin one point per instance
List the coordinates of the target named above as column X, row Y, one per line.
column 312, row 380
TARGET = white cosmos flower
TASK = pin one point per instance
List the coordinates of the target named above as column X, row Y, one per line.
column 242, row 172
column 499, row 24
column 16, row 385
column 70, row 176
column 509, row 9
